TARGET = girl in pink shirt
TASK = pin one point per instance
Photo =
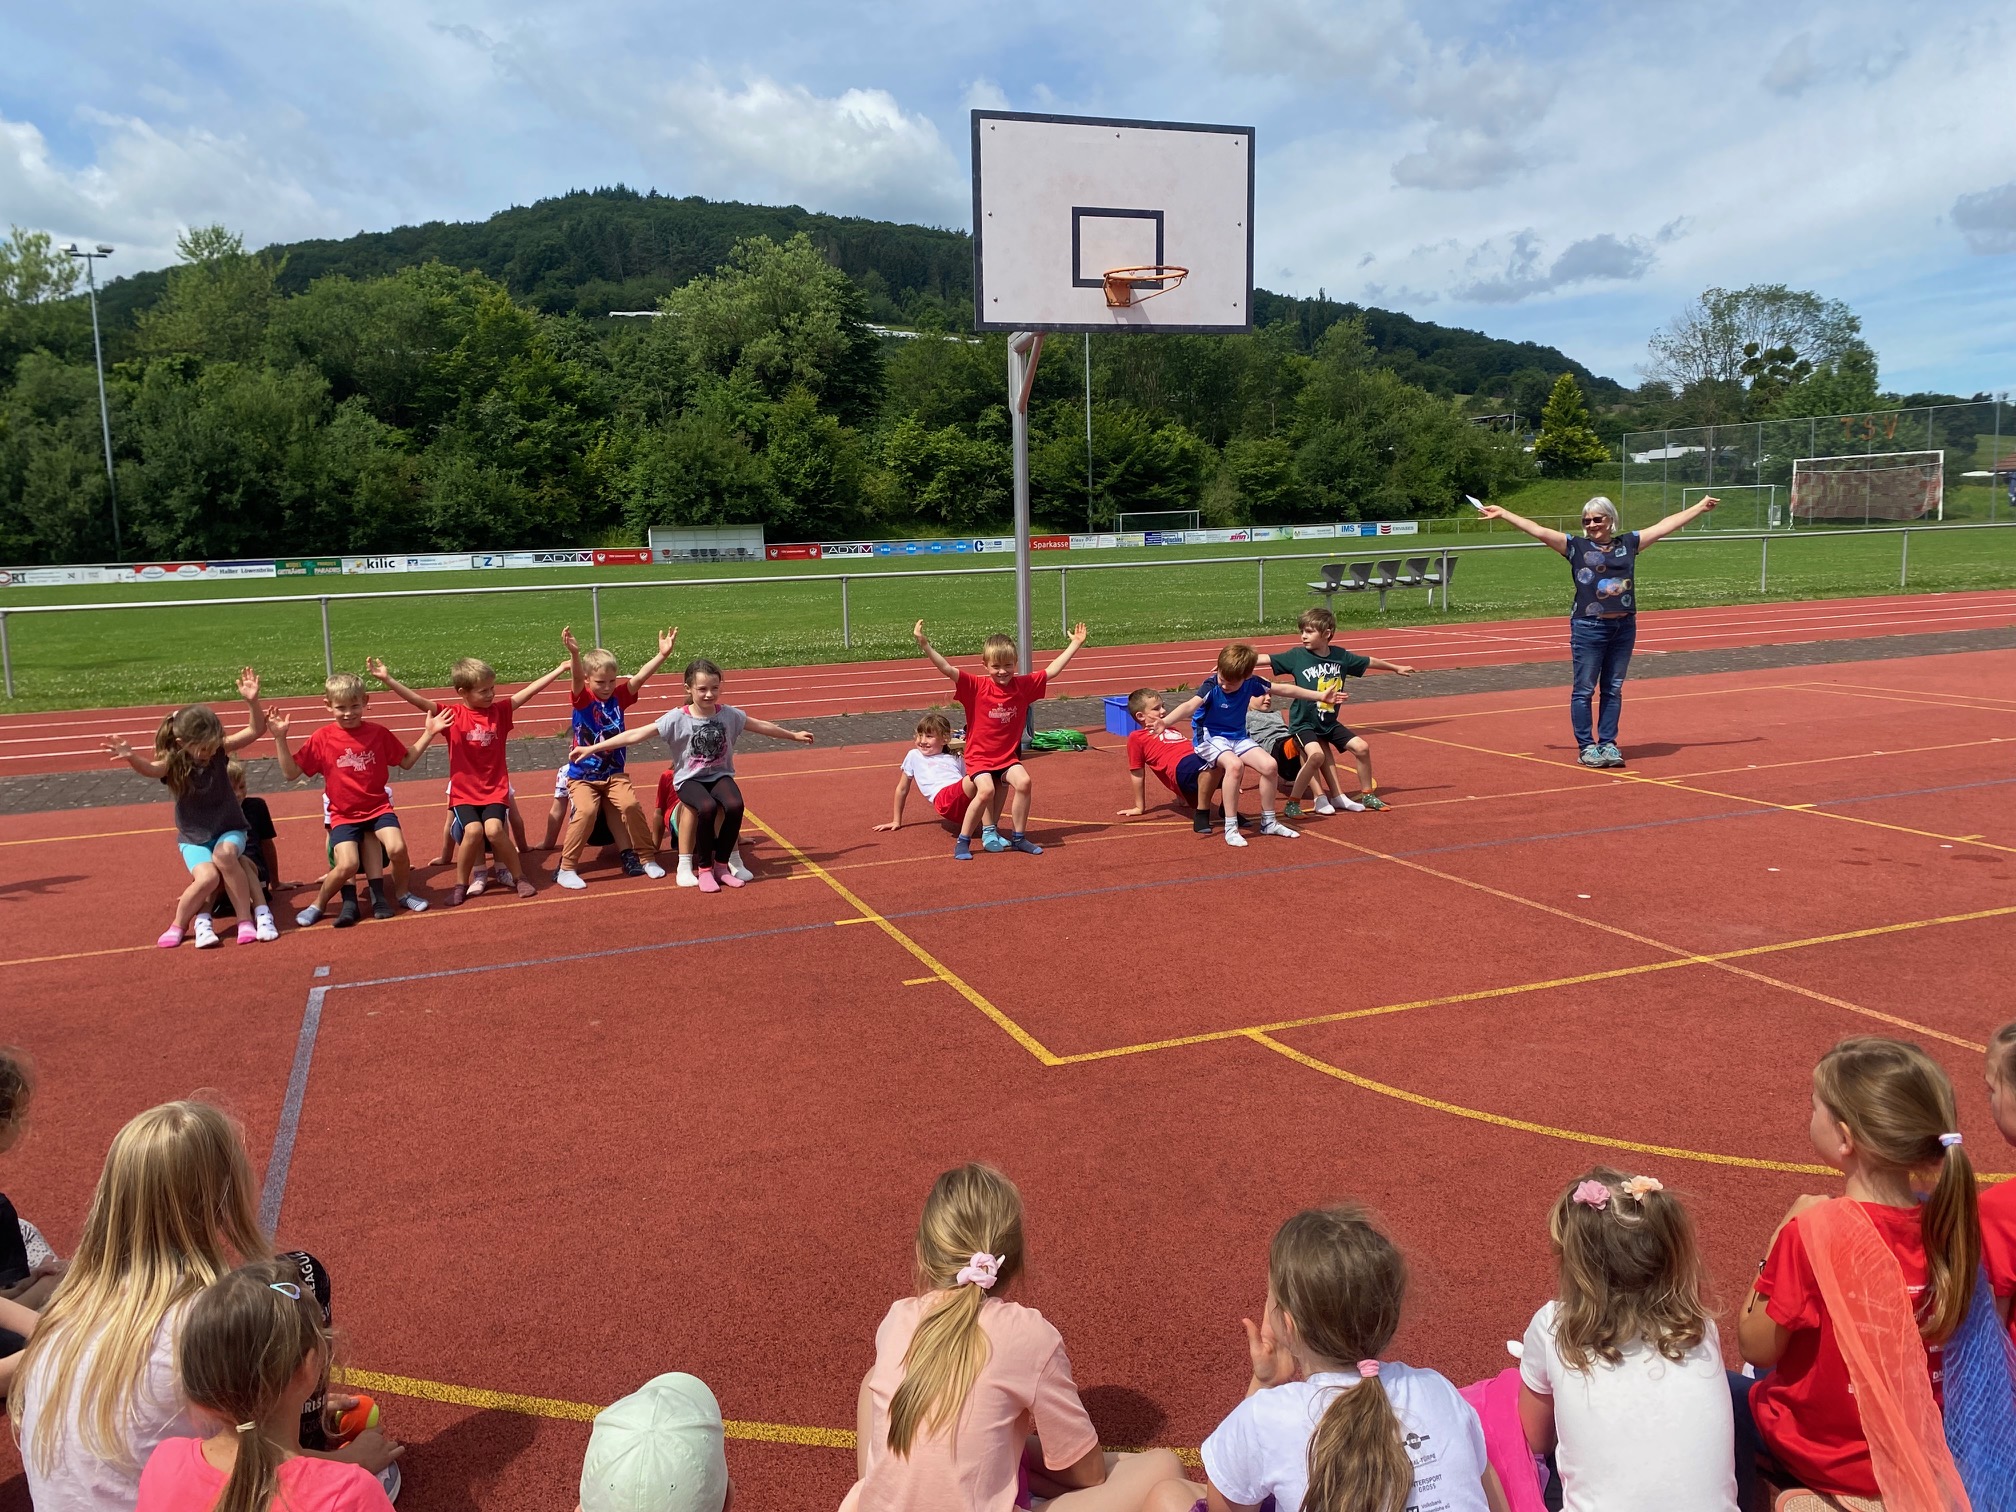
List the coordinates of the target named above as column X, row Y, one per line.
column 253, row 1352
column 970, row 1406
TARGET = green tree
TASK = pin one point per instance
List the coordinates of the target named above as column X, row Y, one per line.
column 36, row 311
column 218, row 301
column 1701, row 352
column 950, row 476
column 1136, row 465
column 1566, row 446
column 695, row 469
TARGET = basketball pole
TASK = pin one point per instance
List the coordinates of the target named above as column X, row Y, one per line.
column 1025, row 349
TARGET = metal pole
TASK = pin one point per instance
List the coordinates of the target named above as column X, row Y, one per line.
column 595, row 608
column 1445, row 580
column 1024, row 350
column 1904, row 561
column 6, row 655
column 328, row 658
column 1763, row 563
column 1088, row 433
column 1994, row 459
column 846, row 618
column 104, row 414
column 1260, row 618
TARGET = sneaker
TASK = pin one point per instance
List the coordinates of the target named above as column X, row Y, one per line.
column 632, row 867
column 993, row 840
column 724, row 876
column 1294, row 809
column 206, row 933
column 1611, row 755
column 267, row 929
column 1234, row 838
column 391, row 1480
column 703, row 878
column 1323, row 805
column 1021, row 842
column 742, row 873
column 456, row 894
column 571, row 880
column 1370, row 801
column 307, row 916
column 962, row 848
column 1273, row 826
column 248, row 932
column 654, row 871
column 1592, row 756
column 413, row 904
column 170, row 938
column 686, row 877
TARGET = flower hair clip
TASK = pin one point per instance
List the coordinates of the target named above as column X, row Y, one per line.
column 981, row 1270
column 1591, row 1194
column 1640, row 1187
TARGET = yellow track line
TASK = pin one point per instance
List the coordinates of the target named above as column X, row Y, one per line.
column 1901, row 695
column 924, row 957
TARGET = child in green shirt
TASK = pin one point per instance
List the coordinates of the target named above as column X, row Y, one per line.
column 1322, row 668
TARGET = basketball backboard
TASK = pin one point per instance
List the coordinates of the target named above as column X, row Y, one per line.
column 1059, row 201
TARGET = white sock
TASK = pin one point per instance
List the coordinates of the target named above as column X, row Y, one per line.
column 735, row 867
column 1232, row 821
column 1324, row 805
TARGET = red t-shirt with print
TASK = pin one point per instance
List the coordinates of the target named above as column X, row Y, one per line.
column 477, row 772
column 355, row 767
column 1998, row 1238
column 1160, row 754
column 1805, row 1408
column 995, row 716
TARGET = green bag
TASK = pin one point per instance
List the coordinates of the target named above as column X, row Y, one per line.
column 1059, row 740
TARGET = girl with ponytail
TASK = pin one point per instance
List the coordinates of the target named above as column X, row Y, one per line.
column 1859, row 1297
column 1327, row 1426
column 970, row 1406
column 253, row 1353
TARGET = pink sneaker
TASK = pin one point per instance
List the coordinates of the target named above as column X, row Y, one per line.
column 248, row 933
column 704, row 875
column 725, row 877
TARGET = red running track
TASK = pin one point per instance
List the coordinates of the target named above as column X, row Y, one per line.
column 68, row 740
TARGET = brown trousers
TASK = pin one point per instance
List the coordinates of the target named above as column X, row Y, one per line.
column 585, row 798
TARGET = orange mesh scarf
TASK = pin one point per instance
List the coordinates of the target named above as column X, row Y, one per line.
column 1863, row 1286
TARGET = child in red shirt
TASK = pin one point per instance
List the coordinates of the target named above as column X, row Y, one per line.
column 479, row 777
column 1884, row 1116
column 997, row 709
column 355, row 758
column 1161, row 750
column 1998, row 1202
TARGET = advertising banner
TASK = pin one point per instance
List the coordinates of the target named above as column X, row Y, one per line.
column 355, row 564
column 263, row 569
column 308, row 567
column 846, row 548
column 801, row 552
column 454, row 561
column 1050, row 543
column 623, row 557
column 154, row 572
column 994, row 543
column 551, row 558
column 1165, row 537
column 1094, row 542
column 1314, row 532
column 50, row 577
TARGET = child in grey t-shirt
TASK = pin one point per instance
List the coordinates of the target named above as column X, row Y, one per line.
column 701, row 737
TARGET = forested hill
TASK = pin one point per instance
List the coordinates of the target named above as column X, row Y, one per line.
column 592, row 251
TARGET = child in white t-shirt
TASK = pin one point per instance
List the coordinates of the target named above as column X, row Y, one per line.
column 1622, row 1377
column 939, row 774
column 1326, row 1422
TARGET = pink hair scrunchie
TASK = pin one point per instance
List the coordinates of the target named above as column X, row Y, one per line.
column 981, row 1271
column 1368, row 1369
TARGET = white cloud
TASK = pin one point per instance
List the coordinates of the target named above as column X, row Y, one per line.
column 1509, row 275
column 1988, row 219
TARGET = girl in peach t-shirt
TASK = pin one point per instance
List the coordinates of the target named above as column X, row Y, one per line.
column 970, row 1406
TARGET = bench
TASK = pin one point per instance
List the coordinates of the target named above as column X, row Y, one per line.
column 1382, row 578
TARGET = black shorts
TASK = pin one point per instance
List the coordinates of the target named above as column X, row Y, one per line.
column 1337, row 737
column 467, row 814
column 353, row 834
column 1000, row 771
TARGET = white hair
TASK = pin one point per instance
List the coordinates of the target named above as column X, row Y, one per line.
column 1602, row 505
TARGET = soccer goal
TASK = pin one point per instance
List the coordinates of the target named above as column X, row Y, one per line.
column 1888, row 486
column 1161, row 519
column 1740, row 506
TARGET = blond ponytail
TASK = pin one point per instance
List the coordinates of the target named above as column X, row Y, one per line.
column 1358, row 1461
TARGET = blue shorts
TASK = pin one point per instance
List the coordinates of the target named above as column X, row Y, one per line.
column 194, row 856
column 1187, row 772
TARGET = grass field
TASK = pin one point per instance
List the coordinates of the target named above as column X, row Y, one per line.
column 171, row 654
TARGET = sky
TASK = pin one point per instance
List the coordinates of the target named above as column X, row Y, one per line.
column 1572, row 174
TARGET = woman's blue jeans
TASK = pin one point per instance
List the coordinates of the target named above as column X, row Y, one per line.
column 1601, row 649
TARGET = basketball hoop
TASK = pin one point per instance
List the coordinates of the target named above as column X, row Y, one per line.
column 1129, row 286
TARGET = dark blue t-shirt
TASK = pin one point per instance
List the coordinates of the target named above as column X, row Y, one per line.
column 1603, row 576
column 1224, row 713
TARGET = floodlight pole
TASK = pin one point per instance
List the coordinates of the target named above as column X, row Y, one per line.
column 1025, row 348
column 90, row 261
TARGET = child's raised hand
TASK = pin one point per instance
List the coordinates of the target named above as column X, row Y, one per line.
column 375, row 665
column 567, row 639
column 1078, row 633
column 276, row 721
column 248, row 684
column 917, row 634
column 117, row 748
column 1272, row 1361
column 666, row 640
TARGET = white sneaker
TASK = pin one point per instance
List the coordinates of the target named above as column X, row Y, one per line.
column 737, row 870
column 569, row 880
column 1273, row 826
column 653, row 870
column 268, row 930
column 686, row 878
column 1324, row 805
column 206, row 932
column 1234, row 838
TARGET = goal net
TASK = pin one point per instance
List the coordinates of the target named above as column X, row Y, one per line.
column 1739, row 506
column 1891, row 486
column 1161, row 519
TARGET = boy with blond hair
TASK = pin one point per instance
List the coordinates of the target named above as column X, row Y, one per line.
column 997, row 709
column 1317, row 665
column 354, row 759
column 600, row 697
column 479, row 777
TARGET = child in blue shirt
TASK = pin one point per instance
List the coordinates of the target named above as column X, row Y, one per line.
column 1220, row 705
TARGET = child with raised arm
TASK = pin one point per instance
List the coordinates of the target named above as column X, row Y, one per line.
column 940, row 775
column 1317, row 665
column 479, row 779
column 997, row 709
column 702, row 738
column 191, row 756
column 600, row 697
column 1169, row 754
column 1221, row 703
column 354, row 758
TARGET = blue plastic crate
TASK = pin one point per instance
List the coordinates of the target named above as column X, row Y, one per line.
column 1118, row 720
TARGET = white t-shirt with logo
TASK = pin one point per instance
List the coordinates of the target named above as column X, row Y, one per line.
column 1647, row 1434
column 1262, row 1448
column 933, row 774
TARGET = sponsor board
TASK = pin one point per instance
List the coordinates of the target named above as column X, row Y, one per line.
column 1314, row 532
column 994, row 543
column 623, row 556
column 308, row 567
column 354, row 564
column 1271, row 533
column 799, row 552
column 154, row 572
column 1132, row 540
column 242, row 570
column 54, row 577
column 555, row 558
column 1401, row 527
column 1050, row 543
column 1094, row 542
column 707, row 553
column 1165, row 537
column 846, row 548
column 484, row 561
column 454, row 561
